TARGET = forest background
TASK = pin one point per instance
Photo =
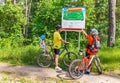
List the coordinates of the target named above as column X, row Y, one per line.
column 23, row 21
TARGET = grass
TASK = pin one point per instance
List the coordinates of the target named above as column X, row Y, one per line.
column 110, row 60
column 7, row 72
column 19, row 56
column 110, row 57
column 8, row 79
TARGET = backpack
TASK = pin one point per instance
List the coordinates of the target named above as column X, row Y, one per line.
column 96, row 43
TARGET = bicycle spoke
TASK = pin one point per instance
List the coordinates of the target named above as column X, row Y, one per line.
column 43, row 61
column 96, row 67
column 76, row 69
column 69, row 57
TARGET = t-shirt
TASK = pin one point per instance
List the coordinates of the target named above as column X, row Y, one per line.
column 90, row 47
column 90, row 39
column 57, row 40
column 42, row 44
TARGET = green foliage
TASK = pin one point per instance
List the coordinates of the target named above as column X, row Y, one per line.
column 45, row 15
column 117, row 24
column 12, row 22
column 20, row 56
column 27, row 56
column 101, row 20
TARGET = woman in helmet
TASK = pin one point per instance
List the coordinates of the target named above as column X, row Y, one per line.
column 93, row 45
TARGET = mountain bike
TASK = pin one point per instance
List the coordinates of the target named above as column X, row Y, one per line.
column 46, row 60
column 78, row 67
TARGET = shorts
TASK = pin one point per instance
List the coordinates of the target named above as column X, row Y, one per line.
column 57, row 51
column 90, row 52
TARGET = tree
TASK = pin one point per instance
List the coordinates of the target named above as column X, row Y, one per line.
column 12, row 21
column 112, row 23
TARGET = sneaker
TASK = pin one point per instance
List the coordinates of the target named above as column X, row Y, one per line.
column 87, row 71
column 81, row 71
column 58, row 68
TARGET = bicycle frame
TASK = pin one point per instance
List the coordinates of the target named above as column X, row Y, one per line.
column 63, row 49
column 79, row 66
column 43, row 58
column 91, row 59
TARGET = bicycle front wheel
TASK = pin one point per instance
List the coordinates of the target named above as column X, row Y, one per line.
column 76, row 69
column 98, row 64
column 44, row 60
column 69, row 57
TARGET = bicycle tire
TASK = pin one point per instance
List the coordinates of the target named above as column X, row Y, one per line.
column 98, row 65
column 69, row 57
column 44, row 61
column 73, row 72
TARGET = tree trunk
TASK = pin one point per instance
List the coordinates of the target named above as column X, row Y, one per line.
column 26, row 14
column 112, row 23
column 14, row 1
column 28, row 8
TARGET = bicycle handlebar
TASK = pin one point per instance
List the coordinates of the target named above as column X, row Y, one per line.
column 65, row 44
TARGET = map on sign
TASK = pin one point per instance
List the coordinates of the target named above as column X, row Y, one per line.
column 73, row 18
column 73, row 15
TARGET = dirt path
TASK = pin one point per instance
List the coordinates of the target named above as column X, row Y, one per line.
column 44, row 73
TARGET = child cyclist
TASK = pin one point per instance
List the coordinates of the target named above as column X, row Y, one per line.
column 43, row 45
column 92, row 47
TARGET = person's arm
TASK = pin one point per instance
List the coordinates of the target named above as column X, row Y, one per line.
column 60, row 38
column 85, row 33
column 64, row 41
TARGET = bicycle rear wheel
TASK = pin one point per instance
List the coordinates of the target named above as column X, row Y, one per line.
column 44, row 60
column 76, row 69
column 69, row 57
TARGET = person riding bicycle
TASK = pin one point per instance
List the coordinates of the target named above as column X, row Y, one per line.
column 42, row 44
column 93, row 45
column 57, row 44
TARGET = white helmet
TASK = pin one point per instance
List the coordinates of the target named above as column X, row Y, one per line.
column 94, row 32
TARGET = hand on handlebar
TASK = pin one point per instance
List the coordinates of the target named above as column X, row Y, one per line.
column 67, row 42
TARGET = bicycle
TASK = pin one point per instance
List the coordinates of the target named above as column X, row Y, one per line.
column 78, row 67
column 46, row 60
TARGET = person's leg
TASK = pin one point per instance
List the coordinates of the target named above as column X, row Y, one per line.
column 88, row 65
column 85, row 59
column 56, row 59
column 57, row 68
